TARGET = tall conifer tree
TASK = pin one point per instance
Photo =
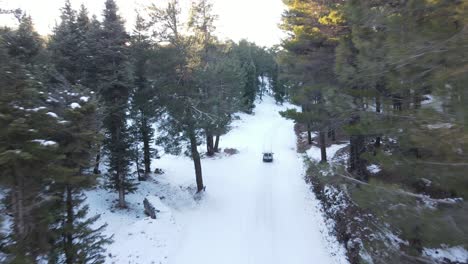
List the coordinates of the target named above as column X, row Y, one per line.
column 114, row 89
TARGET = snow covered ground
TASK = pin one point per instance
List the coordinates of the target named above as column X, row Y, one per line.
column 454, row 254
column 314, row 152
column 252, row 212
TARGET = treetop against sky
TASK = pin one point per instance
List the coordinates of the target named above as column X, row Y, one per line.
column 255, row 20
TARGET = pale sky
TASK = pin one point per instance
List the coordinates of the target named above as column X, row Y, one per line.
column 255, row 20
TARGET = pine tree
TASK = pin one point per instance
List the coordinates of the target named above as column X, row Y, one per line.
column 222, row 79
column 145, row 105
column 114, row 89
column 92, row 46
column 315, row 27
column 201, row 23
column 76, row 241
column 65, row 44
column 392, row 58
column 278, row 87
column 244, row 53
column 25, row 143
column 181, row 97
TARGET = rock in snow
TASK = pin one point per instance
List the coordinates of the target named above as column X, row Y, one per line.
column 149, row 209
column 153, row 206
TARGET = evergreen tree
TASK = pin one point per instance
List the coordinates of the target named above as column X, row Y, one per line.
column 244, row 53
column 144, row 97
column 25, row 144
column 314, row 27
column 278, row 87
column 222, row 79
column 64, row 44
column 75, row 240
column 389, row 58
column 181, row 95
column 114, row 89
column 201, row 23
column 91, row 66
column 92, row 46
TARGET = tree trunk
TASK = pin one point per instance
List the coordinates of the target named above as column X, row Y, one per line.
column 146, row 147
column 378, row 104
column 397, row 102
column 122, row 203
column 331, row 134
column 356, row 163
column 406, row 100
column 196, row 160
column 120, row 176
column 323, row 147
column 137, row 163
column 262, row 87
column 378, row 109
column 68, row 236
column 357, row 148
column 417, row 98
column 309, row 135
column 216, row 146
column 209, row 144
column 378, row 142
column 18, row 208
column 98, row 160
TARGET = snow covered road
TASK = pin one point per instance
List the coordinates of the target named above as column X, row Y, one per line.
column 252, row 212
column 255, row 212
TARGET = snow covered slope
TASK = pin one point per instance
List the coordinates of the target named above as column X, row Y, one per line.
column 252, row 212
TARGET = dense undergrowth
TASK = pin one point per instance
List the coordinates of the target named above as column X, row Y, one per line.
column 388, row 219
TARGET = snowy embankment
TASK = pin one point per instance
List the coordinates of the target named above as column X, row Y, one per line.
column 339, row 203
column 454, row 254
column 314, row 152
column 252, row 212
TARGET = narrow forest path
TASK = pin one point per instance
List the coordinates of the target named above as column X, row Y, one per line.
column 252, row 212
column 255, row 212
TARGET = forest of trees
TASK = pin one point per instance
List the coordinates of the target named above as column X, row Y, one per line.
column 80, row 108
column 390, row 78
column 86, row 105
